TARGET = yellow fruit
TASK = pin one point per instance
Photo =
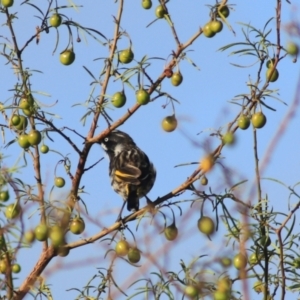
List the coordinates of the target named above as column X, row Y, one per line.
column 258, row 120
column 16, row 268
column 224, row 284
column 3, row 266
column 292, row 49
column 206, row 225
column 176, row 78
column 216, row 26
column 204, row 180
column 191, row 291
column 118, row 99
column 55, row 20
column 274, row 75
column 240, row 261
column 122, row 248
column 160, row 12
column 126, row 56
column 228, row 138
column 225, row 262
column 59, row 182
column 12, row 211
column 171, row 232
column 207, row 31
column 67, row 57
column 243, row 122
column 258, row 286
column 142, row 97
column 169, row 123
column 7, row 3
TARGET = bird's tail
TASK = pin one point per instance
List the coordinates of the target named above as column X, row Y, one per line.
column 133, row 202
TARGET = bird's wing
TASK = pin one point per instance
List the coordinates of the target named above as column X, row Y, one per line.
column 129, row 174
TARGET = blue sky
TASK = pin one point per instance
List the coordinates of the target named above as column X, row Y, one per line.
column 204, row 107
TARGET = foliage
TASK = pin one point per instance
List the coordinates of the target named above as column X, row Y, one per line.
column 263, row 240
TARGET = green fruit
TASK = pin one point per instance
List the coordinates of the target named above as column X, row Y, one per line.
column 12, row 211
column 160, row 12
column 77, row 226
column 23, row 123
column 56, row 235
column 191, row 291
column 134, row 255
column 4, row 196
column 253, row 259
column 296, row 263
column 243, row 122
column 171, row 232
column 3, row 266
column 265, row 241
column 63, row 251
column 16, row 268
column 225, row 262
column 122, row 248
column 28, row 112
column 29, row 236
column 176, row 78
column 118, row 99
column 224, row 284
column 204, row 180
column 59, row 182
column 292, row 49
column 274, row 75
column 34, row 137
column 216, row 26
column 258, row 287
column 206, row 225
column 25, row 103
column 224, row 10
column 67, row 57
column 142, row 97
column 41, row 232
column 169, row 123
column 55, row 20
column 23, row 141
column 126, row 56
column 15, row 120
column 258, row 120
column 44, row 149
column 218, row 295
column 147, row 4
column 240, row 261
column 207, row 31
column 270, row 63
column 7, row 3
column 228, row 138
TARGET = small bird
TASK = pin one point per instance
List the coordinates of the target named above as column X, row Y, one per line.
column 131, row 173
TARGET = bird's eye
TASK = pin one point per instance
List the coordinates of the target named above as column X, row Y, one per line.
column 106, row 140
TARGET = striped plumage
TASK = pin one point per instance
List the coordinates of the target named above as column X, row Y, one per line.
column 132, row 174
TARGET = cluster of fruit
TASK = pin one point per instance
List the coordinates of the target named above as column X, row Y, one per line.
column 19, row 123
column 215, row 26
column 133, row 253
column 4, row 264
column 55, row 233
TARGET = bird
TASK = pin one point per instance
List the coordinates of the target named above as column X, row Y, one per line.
column 132, row 175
